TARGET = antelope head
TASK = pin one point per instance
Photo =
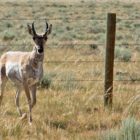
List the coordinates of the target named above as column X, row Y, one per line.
column 39, row 39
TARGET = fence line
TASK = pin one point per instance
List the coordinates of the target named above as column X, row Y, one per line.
column 66, row 18
column 71, row 43
column 37, row 19
column 73, row 61
column 50, row 4
column 87, row 61
column 74, row 43
column 92, row 80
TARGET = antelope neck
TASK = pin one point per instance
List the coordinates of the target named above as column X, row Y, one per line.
column 36, row 57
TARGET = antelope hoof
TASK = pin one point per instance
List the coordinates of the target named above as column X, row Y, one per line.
column 24, row 116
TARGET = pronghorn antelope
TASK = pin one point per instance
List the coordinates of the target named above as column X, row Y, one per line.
column 24, row 69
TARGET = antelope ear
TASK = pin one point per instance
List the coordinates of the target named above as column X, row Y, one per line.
column 30, row 29
column 49, row 30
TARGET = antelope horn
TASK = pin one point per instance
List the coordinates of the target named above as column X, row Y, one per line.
column 47, row 26
column 33, row 29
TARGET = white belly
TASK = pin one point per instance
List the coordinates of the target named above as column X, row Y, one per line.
column 13, row 72
column 16, row 74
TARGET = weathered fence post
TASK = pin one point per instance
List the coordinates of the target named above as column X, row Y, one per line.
column 109, row 59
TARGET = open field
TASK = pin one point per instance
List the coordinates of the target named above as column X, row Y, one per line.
column 70, row 107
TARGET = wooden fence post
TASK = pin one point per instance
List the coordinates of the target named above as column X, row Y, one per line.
column 109, row 59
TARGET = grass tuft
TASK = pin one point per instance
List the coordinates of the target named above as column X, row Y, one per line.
column 123, row 54
column 8, row 36
column 130, row 130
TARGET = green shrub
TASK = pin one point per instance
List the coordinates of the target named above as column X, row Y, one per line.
column 123, row 54
column 46, row 81
column 8, row 35
column 130, row 130
column 8, row 25
column 93, row 46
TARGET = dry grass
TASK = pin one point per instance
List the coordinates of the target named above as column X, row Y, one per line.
column 72, row 109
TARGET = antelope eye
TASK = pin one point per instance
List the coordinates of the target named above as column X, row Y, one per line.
column 45, row 38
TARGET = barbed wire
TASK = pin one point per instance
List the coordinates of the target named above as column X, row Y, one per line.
column 66, row 18
column 49, row 3
column 55, row 18
column 95, row 80
column 87, row 61
column 69, row 43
